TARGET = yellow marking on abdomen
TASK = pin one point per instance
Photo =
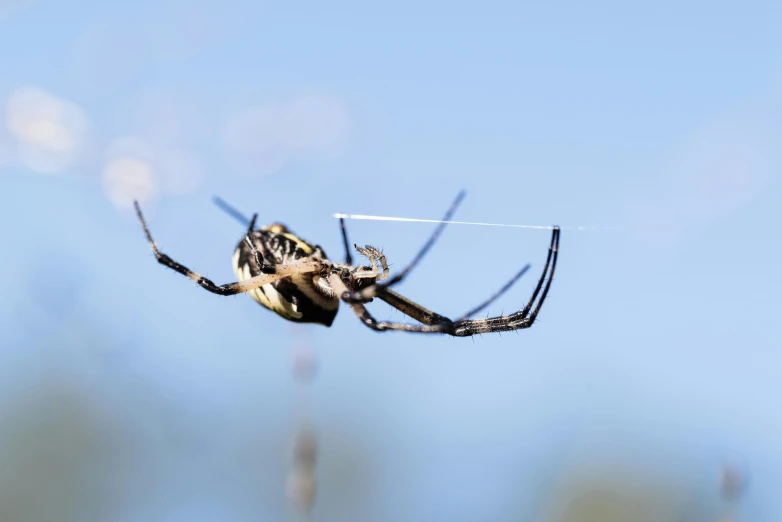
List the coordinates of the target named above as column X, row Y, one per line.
column 301, row 244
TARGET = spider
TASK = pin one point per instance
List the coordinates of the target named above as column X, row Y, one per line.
column 296, row 280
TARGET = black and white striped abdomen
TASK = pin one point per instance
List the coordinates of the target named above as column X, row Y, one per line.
column 296, row 298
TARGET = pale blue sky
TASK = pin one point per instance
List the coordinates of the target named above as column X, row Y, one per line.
column 660, row 340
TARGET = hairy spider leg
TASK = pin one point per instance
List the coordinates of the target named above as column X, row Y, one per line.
column 251, row 224
column 411, row 308
column 230, row 288
column 360, row 309
column 264, row 260
column 348, row 257
column 497, row 294
column 259, row 261
column 357, row 272
column 436, row 323
column 382, row 258
column 231, row 211
column 426, row 316
column 553, row 250
column 518, row 320
column 408, row 306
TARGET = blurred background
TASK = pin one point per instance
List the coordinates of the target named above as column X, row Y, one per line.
column 649, row 388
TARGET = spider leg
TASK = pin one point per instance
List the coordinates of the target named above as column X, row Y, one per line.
column 230, row 288
column 258, row 259
column 497, row 294
column 360, row 309
column 554, row 248
column 357, row 272
column 377, row 253
column 231, row 211
column 251, row 224
column 382, row 258
column 263, row 260
column 344, row 231
column 551, row 258
column 426, row 316
column 522, row 319
column 463, row 327
column 371, row 291
column 411, row 308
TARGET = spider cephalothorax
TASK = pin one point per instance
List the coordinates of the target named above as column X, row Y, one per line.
column 296, row 280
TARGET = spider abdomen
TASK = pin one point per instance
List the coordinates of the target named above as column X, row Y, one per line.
column 297, row 298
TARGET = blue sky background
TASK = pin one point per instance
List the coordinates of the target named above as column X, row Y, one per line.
column 659, row 343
